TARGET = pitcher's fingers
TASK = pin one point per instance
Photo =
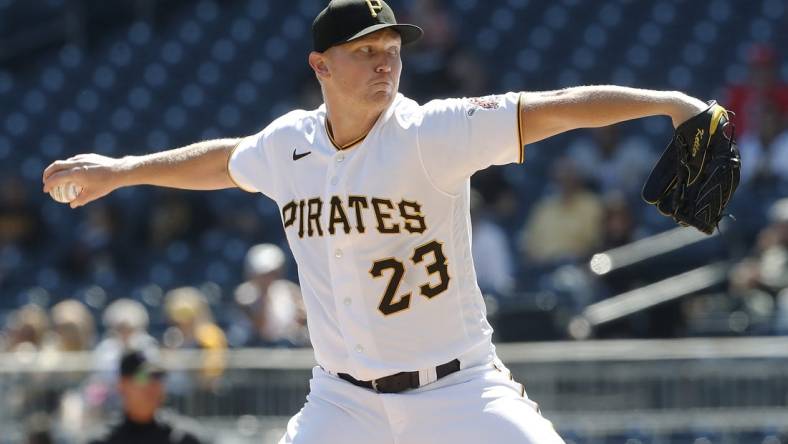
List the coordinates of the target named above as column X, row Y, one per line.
column 78, row 202
column 55, row 177
column 83, row 198
column 53, row 167
column 60, row 165
column 60, row 177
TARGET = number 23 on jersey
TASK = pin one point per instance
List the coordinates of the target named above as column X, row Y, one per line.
column 390, row 303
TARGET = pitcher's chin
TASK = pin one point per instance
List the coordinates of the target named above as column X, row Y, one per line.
column 382, row 96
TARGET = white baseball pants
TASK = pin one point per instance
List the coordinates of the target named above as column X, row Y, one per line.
column 475, row 405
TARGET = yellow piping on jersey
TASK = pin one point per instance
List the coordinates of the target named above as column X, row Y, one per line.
column 520, row 127
column 345, row 146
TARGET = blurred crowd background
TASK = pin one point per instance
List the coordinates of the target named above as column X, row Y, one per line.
column 211, row 270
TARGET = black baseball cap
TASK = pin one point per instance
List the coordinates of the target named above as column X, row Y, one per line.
column 345, row 20
column 137, row 363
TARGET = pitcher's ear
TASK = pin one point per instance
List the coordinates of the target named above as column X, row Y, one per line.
column 318, row 63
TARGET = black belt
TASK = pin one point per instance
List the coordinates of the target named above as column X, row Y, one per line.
column 399, row 382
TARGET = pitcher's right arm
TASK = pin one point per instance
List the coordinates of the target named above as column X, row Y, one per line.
column 200, row 166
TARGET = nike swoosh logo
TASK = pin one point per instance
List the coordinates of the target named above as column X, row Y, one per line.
column 297, row 156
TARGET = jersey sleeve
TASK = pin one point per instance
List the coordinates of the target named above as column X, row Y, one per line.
column 249, row 165
column 458, row 137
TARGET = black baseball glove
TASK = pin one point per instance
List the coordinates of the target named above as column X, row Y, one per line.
column 697, row 174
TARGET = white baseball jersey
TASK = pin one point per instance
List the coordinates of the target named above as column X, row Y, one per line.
column 381, row 229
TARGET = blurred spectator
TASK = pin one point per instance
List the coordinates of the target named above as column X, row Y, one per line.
column 499, row 196
column 610, row 163
column 764, row 151
column 27, row 329
column 566, row 225
column 193, row 327
column 763, row 85
column 620, row 227
column 75, row 331
column 272, row 312
column 72, row 329
column 141, row 388
column 125, row 322
column 772, row 246
column 126, row 327
column 761, row 280
column 73, row 325
column 27, row 333
column 491, row 255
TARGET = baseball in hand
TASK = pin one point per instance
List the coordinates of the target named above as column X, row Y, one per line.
column 66, row 193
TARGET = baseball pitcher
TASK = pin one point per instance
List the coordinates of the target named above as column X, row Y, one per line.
column 373, row 190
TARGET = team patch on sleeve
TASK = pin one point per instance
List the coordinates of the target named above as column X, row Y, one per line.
column 481, row 103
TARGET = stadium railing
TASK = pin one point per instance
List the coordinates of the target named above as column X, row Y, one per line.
column 587, row 388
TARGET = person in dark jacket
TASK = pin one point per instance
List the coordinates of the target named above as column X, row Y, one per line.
column 141, row 389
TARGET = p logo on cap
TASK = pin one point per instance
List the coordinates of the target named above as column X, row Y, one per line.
column 374, row 7
column 344, row 20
